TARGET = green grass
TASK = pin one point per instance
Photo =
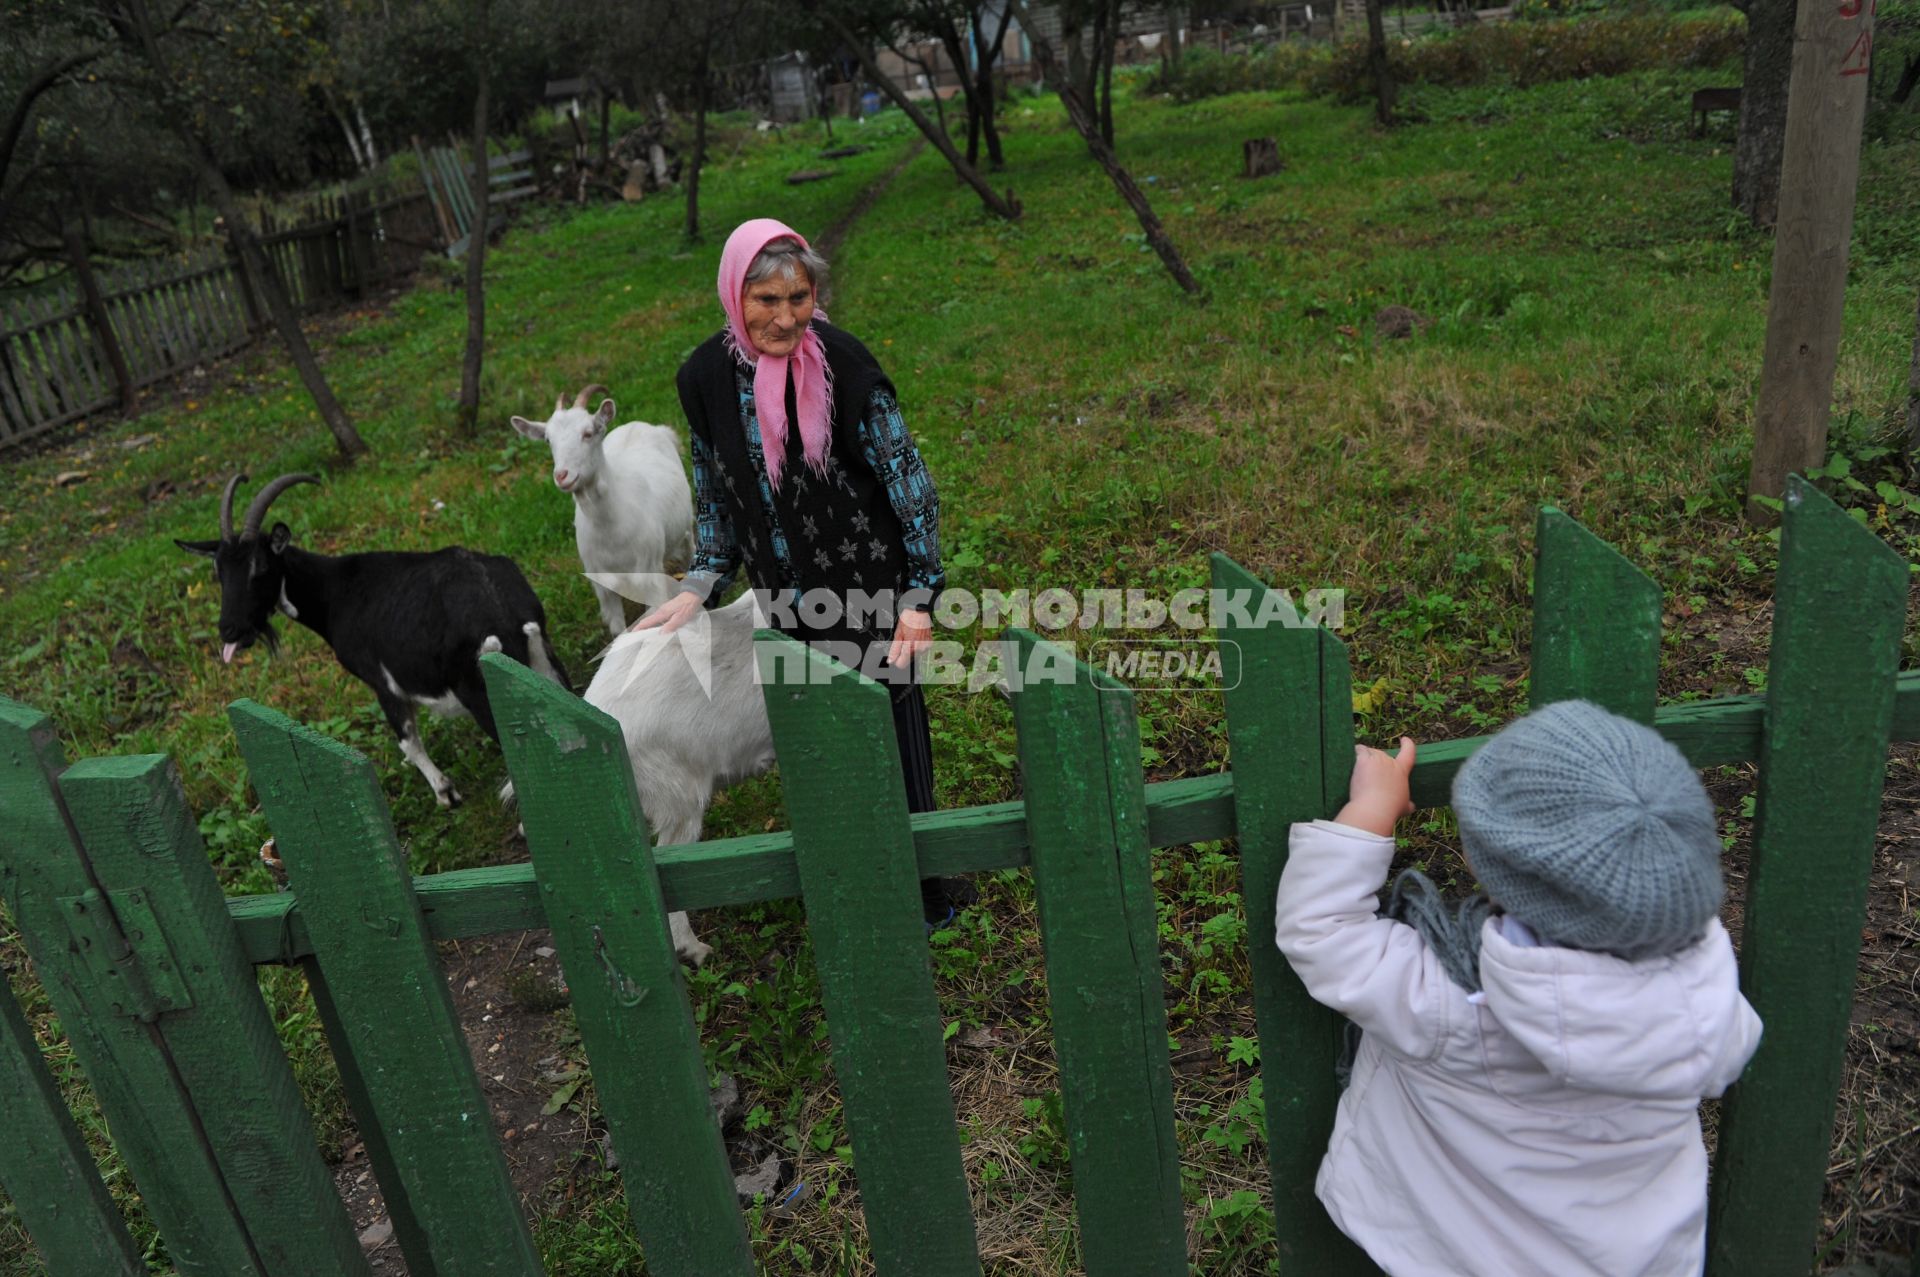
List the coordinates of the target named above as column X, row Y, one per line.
column 1597, row 317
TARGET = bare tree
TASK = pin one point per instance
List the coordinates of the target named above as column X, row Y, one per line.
column 467, row 416
column 1377, row 62
column 1001, row 206
column 146, row 45
column 1768, row 60
column 1089, row 129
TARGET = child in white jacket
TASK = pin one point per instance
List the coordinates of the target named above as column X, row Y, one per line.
column 1525, row 1096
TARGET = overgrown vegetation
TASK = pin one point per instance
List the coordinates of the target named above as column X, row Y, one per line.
column 1521, row 54
column 1595, row 335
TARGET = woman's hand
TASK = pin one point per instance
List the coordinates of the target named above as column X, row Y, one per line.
column 671, row 615
column 1379, row 794
column 914, row 631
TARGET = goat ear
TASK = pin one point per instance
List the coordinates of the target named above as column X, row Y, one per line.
column 278, row 539
column 531, row 429
column 205, row 549
column 603, row 416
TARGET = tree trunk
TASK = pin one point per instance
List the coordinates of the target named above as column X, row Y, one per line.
column 481, row 186
column 1909, row 77
column 699, row 156
column 984, row 90
column 1122, row 180
column 1173, row 36
column 366, row 135
column 1007, row 206
column 136, row 31
column 1108, row 43
column 96, row 308
column 1763, row 109
column 1377, row 62
column 1820, row 173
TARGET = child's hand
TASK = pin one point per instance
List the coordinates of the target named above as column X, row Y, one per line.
column 1378, row 792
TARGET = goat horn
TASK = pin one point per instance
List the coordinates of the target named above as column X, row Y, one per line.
column 580, row 400
column 559, row 404
column 264, row 498
column 226, row 506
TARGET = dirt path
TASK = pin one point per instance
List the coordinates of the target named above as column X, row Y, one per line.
column 835, row 235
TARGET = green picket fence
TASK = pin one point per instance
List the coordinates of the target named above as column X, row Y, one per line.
column 150, row 968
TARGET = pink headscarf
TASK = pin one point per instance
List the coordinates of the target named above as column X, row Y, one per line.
column 812, row 382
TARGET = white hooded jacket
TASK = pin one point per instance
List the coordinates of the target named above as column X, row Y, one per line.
column 1547, row 1125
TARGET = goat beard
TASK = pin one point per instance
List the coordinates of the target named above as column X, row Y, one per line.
column 265, row 634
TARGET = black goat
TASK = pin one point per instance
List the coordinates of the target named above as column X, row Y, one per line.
column 412, row 626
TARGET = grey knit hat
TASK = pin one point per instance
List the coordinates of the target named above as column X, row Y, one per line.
column 1592, row 830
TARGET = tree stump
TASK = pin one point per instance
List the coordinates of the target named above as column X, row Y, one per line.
column 1262, row 157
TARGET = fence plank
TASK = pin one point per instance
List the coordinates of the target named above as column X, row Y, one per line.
column 592, row 854
column 847, row 803
column 29, row 377
column 16, row 420
column 407, row 1232
column 46, row 878
column 147, row 853
column 1596, row 622
column 1092, row 871
column 45, row 1167
column 1290, row 732
column 333, row 830
column 1839, row 606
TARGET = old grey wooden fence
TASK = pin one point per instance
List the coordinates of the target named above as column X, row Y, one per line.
column 54, row 364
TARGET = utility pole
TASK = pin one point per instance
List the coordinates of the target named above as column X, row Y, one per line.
column 1819, row 173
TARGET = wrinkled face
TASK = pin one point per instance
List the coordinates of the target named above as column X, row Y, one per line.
column 776, row 311
column 576, row 438
column 250, row 572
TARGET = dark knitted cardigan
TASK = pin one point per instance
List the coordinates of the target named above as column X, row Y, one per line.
column 842, row 534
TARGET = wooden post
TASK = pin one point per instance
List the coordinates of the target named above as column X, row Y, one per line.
column 45, row 1166
column 1289, row 702
column 593, row 857
column 1262, row 156
column 1093, row 877
column 1596, row 623
column 1819, row 173
column 1839, row 607
column 853, row 846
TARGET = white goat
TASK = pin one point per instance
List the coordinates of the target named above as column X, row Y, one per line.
column 632, row 506
column 694, row 721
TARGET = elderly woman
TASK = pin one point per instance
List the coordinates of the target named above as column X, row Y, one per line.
column 804, row 473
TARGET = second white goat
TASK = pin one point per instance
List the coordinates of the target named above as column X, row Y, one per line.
column 632, row 505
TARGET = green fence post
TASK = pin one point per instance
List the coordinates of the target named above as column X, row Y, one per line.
column 1839, row 604
column 132, row 817
column 1290, row 735
column 1596, row 622
column 45, row 1167
column 333, row 830
column 407, row 1232
column 1092, row 871
column 45, row 878
column 592, row 855
column 847, row 803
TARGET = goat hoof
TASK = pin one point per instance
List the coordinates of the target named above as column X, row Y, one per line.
column 696, row 953
column 448, row 797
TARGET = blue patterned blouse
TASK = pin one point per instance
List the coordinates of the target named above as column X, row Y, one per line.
column 888, row 449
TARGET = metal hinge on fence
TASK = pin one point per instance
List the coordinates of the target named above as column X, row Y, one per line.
column 120, row 940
